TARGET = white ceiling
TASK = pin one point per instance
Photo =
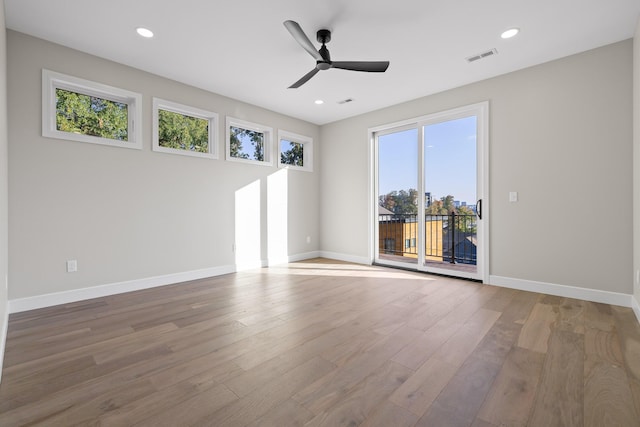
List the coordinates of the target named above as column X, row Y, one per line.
column 241, row 49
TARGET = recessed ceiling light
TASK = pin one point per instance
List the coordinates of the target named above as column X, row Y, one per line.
column 319, row 101
column 144, row 32
column 510, row 33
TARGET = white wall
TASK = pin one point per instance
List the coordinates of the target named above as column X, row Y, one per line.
column 127, row 215
column 636, row 167
column 4, row 175
column 560, row 135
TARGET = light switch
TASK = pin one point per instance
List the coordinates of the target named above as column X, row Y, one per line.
column 513, row 196
column 72, row 266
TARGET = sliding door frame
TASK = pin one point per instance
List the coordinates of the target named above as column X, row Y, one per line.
column 481, row 111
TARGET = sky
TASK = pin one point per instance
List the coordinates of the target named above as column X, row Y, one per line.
column 450, row 160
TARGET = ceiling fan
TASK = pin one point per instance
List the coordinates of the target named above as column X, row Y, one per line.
column 322, row 57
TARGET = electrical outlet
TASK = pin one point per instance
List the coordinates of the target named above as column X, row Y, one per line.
column 513, row 196
column 72, row 266
column 308, row 239
column 638, row 276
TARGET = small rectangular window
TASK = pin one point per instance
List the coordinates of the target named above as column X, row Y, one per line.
column 180, row 129
column 81, row 110
column 248, row 142
column 295, row 151
column 407, row 243
column 91, row 115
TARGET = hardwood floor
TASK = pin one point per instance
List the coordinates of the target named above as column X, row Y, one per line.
column 323, row 343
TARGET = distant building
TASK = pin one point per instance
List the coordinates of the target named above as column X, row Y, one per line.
column 397, row 235
column 464, row 244
column 384, row 214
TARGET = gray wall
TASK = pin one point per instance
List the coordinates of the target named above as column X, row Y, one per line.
column 133, row 214
column 636, row 162
column 560, row 135
column 4, row 175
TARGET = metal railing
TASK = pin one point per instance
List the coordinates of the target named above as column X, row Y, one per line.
column 448, row 238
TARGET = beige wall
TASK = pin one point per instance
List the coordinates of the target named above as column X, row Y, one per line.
column 636, row 163
column 560, row 135
column 3, row 183
column 133, row 214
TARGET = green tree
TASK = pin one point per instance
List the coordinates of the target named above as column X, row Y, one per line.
column 388, row 200
column 465, row 210
column 91, row 115
column 400, row 202
column 444, row 206
column 448, row 204
column 467, row 223
column 293, row 156
column 240, row 135
column 436, row 208
column 182, row 132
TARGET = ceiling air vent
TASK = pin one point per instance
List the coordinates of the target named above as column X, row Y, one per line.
column 482, row 55
column 344, row 101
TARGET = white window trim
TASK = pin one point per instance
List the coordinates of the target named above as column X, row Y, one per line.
column 211, row 117
column 268, row 138
column 307, row 150
column 52, row 80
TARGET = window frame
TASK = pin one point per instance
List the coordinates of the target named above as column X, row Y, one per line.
column 268, row 141
column 52, row 80
column 307, row 150
column 185, row 110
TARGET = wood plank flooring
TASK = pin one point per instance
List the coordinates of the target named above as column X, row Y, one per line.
column 323, row 343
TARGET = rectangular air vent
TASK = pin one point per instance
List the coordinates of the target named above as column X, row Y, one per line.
column 344, row 101
column 482, row 55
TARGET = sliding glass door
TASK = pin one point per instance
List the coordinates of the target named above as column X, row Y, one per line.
column 397, row 208
column 429, row 179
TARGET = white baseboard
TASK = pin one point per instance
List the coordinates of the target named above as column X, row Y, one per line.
column 65, row 297
column 3, row 336
column 636, row 307
column 251, row 265
column 293, row 258
column 345, row 257
column 613, row 298
column 304, row 256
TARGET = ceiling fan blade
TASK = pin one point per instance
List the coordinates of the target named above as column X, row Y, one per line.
column 304, row 79
column 302, row 39
column 368, row 66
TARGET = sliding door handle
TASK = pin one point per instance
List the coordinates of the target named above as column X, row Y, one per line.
column 479, row 208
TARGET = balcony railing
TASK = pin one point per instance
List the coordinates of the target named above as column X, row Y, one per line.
column 448, row 238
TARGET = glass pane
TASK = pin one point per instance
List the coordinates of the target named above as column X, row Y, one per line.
column 398, row 196
column 450, row 194
column 246, row 144
column 90, row 115
column 291, row 153
column 183, row 132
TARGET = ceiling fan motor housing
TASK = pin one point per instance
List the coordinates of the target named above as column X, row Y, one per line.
column 323, row 36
